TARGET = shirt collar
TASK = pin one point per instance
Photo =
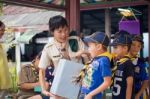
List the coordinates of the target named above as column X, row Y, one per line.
column 107, row 54
column 58, row 44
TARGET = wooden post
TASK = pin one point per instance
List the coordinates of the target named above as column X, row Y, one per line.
column 149, row 45
column 108, row 24
column 73, row 14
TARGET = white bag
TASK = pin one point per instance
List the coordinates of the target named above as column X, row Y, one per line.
column 62, row 84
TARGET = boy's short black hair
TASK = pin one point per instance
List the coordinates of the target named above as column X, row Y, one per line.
column 57, row 22
column 137, row 38
column 39, row 55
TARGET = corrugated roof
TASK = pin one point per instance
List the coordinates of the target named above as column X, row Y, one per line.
column 12, row 10
column 25, row 16
column 29, row 19
column 24, row 19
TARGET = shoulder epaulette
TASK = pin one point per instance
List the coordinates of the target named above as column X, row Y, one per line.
column 48, row 45
column 73, row 37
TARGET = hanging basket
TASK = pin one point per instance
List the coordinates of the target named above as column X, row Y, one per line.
column 131, row 26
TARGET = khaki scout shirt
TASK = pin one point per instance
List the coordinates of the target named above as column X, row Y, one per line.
column 51, row 53
column 27, row 75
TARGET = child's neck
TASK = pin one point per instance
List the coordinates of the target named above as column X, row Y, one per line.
column 132, row 55
column 122, row 55
column 60, row 44
column 100, row 52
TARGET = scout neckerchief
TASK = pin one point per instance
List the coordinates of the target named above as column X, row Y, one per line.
column 137, row 59
column 35, row 71
column 134, row 59
column 80, row 77
column 116, row 63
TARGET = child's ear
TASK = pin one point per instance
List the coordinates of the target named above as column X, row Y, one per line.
column 126, row 48
column 99, row 46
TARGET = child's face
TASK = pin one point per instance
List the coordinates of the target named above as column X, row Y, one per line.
column 36, row 62
column 61, row 34
column 135, row 48
column 94, row 49
column 120, row 50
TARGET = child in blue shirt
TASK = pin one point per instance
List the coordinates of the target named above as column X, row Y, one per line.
column 140, row 69
column 96, row 76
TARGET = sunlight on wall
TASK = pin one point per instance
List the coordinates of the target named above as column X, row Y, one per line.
column 146, row 44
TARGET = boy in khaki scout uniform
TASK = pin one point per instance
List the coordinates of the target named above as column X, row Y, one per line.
column 28, row 79
column 5, row 82
column 58, row 48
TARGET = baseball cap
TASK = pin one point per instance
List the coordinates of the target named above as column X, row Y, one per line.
column 98, row 37
column 122, row 38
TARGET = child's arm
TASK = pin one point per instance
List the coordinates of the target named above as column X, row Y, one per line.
column 143, row 87
column 144, row 81
column 129, row 87
column 129, row 74
column 102, row 87
column 42, row 82
column 29, row 86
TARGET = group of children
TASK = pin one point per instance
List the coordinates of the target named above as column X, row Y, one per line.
column 124, row 71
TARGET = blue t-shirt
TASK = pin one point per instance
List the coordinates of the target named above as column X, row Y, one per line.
column 97, row 70
column 141, row 74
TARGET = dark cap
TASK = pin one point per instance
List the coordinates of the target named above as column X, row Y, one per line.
column 98, row 37
column 122, row 38
column 137, row 38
